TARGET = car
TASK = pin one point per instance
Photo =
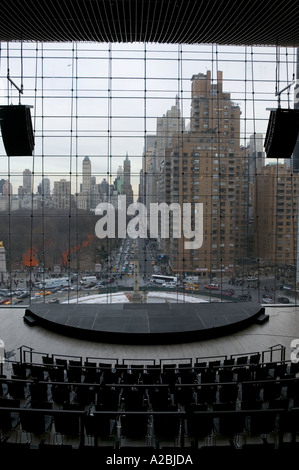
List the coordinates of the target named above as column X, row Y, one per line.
column 212, row 286
column 283, row 300
column 227, row 293
column 23, row 295
column 169, row 284
column 267, row 301
column 245, row 297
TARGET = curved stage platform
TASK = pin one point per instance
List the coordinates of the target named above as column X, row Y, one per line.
column 153, row 323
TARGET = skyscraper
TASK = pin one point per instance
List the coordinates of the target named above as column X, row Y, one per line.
column 62, row 194
column 207, row 165
column 44, row 187
column 27, row 181
column 84, row 197
column 168, row 125
column 127, row 189
column 275, row 214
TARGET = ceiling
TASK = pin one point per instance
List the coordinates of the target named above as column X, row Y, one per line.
column 227, row 22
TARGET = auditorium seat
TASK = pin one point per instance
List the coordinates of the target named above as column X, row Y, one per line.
column 206, row 393
column 134, row 399
column 199, row 366
column 230, row 426
column 200, row 426
column 130, row 377
column 225, row 375
column 17, row 388
column 67, row 425
column 251, row 391
column 85, row 395
column 228, row 392
column 152, row 375
column 262, row 423
column 48, row 360
column 38, row 372
column 271, row 390
column 56, row 373
column 91, row 373
column 37, row 422
column 61, row 362
column 159, row 398
column 208, row 376
column 74, row 371
column 254, row 358
column 108, row 398
column 243, row 373
column 60, row 393
column 288, row 423
column 167, row 428
column 187, row 376
column 134, row 426
column 228, row 362
column 38, row 391
column 184, row 396
column 20, row 370
column 101, row 427
column 9, row 419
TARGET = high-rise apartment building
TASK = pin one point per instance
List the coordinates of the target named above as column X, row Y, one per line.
column 275, row 215
column 207, row 165
column 7, row 188
column 168, row 125
column 62, row 194
column 84, row 197
column 27, row 181
column 44, row 188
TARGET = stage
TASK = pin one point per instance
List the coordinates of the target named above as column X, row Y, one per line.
column 153, row 323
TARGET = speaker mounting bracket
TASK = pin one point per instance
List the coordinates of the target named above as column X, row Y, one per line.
column 278, row 93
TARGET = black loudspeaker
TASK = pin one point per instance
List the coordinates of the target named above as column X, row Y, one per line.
column 17, row 131
column 282, row 132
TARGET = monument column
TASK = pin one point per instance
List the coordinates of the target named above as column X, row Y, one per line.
column 3, row 272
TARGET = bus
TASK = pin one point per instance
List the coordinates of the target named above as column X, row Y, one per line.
column 88, row 280
column 54, row 283
column 160, row 279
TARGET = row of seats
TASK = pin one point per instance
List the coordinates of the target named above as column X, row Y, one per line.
column 141, row 396
column 169, row 374
column 178, row 428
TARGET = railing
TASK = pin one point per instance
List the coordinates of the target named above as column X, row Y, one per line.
column 27, row 354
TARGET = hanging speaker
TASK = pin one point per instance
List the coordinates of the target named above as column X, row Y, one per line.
column 16, row 129
column 282, row 132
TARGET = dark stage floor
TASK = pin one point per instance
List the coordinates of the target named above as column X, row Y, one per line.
column 145, row 323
